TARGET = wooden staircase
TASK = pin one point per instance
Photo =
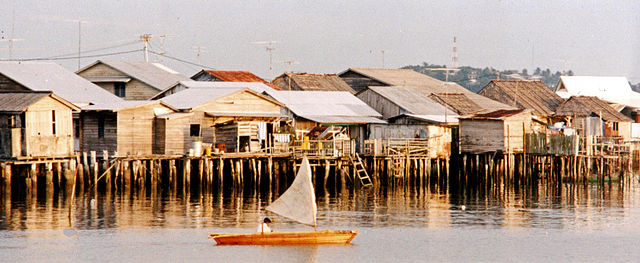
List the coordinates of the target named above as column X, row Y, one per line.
column 398, row 167
column 360, row 171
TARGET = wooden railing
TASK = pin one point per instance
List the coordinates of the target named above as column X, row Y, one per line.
column 397, row 146
column 540, row 143
column 329, row 148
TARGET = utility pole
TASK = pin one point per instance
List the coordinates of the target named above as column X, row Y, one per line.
column 80, row 40
column 12, row 39
column 199, row 50
column 146, row 38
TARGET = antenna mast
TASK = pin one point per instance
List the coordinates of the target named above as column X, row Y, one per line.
column 454, row 54
column 146, row 38
column 269, row 47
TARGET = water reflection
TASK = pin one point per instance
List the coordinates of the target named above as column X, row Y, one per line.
column 549, row 206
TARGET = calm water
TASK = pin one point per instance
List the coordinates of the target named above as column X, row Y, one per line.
column 542, row 223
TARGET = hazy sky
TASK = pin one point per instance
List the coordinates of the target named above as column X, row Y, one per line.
column 589, row 37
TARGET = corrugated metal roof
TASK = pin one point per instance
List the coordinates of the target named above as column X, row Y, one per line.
column 427, row 85
column 244, row 114
column 189, row 98
column 48, row 76
column 108, row 79
column 438, row 119
column 586, row 105
column 117, row 105
column 525, row 94
column 235, row 76
column 192, row 84
column 312, row 82
column 154, row 74
column 344, row 119
column 323, row 103
column 19, row 101
column 611, row 89
column 412, row 100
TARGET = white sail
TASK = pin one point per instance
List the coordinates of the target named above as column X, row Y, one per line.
column 299, row 201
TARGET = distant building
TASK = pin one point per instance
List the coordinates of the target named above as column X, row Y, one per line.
column 311, row 82
column 131, row 80
column 228, row 76
column 498, row 131
column 361, row 78
column 35, row 124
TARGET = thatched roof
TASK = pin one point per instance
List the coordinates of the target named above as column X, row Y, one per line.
column 457, row 102
column 582, row 106
column 523, row 94
column 311, row 82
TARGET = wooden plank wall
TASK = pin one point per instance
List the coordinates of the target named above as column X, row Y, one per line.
column 7, row 84
column 479, row 136
column 89, row 140
column 379, row 103
column 136, row 129
column 40, row 140
column 134, row 89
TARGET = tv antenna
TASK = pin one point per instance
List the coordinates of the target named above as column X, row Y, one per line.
column 269, row 47
column 162, row 39
column 146, row 38
column 12, row 39
column 199, row 50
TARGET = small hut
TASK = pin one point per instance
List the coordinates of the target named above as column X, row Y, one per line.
column 35, row 124
column 524, row 94
column 591, row 116
column 497, row 131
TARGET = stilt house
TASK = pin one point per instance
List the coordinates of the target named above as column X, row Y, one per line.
column 524, row 94
column 231, row 119
column 131, row 80
column 497, row 131
column 35, row 124
column 126, row 128
column 591, row 116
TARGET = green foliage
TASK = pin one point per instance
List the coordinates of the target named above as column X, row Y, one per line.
column 475, row 78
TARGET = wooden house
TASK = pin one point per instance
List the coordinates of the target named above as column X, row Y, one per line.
column 411, row 115
column 524, row 94
column 131, row 80
column 231, row 119
column 125, row 128
column 328, row 108
column 361, row 78
column 497, row 131
column 35, row 124
column 311, row 82
column 578, row 112
column 192, row 84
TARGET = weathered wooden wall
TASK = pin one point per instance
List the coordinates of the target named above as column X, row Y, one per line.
column 134, row 89
column 89, row 139
column 479, row 136
column 135, row 128
column 379, row 103
column 7, row 84
column 39, row 129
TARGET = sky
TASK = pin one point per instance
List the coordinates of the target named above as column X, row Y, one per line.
column 599, row 38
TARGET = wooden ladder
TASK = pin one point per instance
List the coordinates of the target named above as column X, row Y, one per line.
column 398, row 167
column 360, row 171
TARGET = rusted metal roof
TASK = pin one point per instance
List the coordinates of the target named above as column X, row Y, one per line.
column 311, row 82
column 587, row 105
column 229, row 76
column 523, row 94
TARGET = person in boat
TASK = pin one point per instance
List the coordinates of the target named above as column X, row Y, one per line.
column 264, row 227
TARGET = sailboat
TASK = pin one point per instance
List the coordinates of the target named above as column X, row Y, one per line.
column 297, row 203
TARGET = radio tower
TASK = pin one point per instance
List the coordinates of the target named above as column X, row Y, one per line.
column 454, row 54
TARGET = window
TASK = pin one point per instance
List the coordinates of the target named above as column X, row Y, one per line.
column 615, row 126
column 100, row 127
column 11, row 121
column 119, row 89
column 194, row 130
column 76, row 128
column 53, row 122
